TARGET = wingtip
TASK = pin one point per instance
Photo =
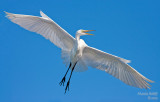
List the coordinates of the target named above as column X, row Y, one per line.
column 5, row 12
column 149, row 80
column 128, row 61
column 152, row 81
column 125, row 61
column 40, row 11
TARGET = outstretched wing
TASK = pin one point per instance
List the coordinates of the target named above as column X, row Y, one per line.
column 45, row 27
column 115, row 66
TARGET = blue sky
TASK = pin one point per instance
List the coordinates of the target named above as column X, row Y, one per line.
column 31, row 67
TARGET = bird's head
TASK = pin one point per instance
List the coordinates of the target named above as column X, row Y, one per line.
column 84, row 32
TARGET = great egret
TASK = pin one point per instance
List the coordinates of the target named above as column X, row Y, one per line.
column 77, row 54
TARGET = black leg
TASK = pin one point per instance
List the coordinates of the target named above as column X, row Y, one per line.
column 63, row 79
column 67, row 86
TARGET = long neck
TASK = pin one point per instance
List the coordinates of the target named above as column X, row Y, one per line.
column 77, row 37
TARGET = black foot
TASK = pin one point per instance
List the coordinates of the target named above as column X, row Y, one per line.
column 67, row 86
column 62, row 81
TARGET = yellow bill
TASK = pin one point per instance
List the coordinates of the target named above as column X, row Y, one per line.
column 88, row 31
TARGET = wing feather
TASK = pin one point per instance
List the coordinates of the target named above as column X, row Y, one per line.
column 45, row 27
column 115, row 66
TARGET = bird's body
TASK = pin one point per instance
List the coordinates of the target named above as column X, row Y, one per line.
column 77, row 54
column 77, row 50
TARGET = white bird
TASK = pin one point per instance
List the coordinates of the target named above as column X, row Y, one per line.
column 77, row 54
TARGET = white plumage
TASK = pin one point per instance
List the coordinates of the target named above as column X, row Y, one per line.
column 77, row 54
